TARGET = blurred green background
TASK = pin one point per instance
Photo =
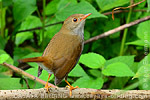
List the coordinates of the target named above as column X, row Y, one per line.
column 118, row 61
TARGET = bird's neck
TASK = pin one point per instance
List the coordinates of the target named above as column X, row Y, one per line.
column 76, row 31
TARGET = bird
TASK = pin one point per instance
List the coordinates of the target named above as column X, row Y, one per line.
column 63, row 51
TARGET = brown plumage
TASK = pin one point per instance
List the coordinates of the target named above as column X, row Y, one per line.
column 64, row 49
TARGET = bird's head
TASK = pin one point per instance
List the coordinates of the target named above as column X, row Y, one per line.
column 76, row 22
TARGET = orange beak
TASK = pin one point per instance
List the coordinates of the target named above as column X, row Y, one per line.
column 86, row 15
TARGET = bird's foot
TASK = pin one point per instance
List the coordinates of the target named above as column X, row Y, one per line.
column 47, row 87
column 71, row 88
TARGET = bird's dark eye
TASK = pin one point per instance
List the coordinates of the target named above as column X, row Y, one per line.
column 75, row 19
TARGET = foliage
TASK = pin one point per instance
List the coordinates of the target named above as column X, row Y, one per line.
column 100, row 63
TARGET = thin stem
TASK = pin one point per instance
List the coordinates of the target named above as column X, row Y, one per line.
column 43, row 23
column 125, row 32
column 1, row 7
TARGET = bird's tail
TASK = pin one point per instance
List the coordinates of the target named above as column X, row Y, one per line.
column 34, row 59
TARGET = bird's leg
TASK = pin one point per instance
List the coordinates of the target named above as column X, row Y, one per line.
column 46, row 85
column 70, row 87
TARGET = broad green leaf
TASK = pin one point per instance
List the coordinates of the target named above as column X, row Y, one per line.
column 43, row 76
column 21, row 37
column 51, row 7
column 23, row 8
column 30, row 22
column 109, row 4
column 143, row 74
column 144, row 61
column 9, row 60
column 78, row 8
column 92, row 60
column 88, row 82
column 128, row 60
column 52, row 30
column 143, row 31
column 95, row 72
column 10, row 83
column 77, row 71
column 3, row 58
column 118, row 69
column 64, row 3
column 136, row 42
column 118, row 82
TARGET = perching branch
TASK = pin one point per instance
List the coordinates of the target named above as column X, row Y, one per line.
column 78, row 94
column 117, row 29
column 17, row 70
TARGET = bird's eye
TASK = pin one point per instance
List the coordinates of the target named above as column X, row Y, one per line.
column 75, row 19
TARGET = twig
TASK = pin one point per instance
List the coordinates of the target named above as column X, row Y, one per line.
column 121, row 11
column 117, row 29
column 17, row 70
column 107, row 13
column 37, row 28
column 125, row 7
column 78, row 94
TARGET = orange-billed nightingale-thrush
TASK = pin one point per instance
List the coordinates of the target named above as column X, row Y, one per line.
column 63, row 51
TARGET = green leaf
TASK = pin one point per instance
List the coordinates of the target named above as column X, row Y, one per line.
column 51, row 7
column 109, row 4
column 78, row 8
column 51, row 31
column 21, row 37
column 144, row 76
column 64, row 3
column 3, row 58
column 10, row 83
column 118, row 82
column 30, row 22
column 9, row 59
column 23, row 8
column 128, row 60
column 117, row 69
column 43, row 76
column 143, row 31
column 136, row 42
column 95, row 72
column 144, row 61
column 88, row 82
column 92, row 60
column 77, row 71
